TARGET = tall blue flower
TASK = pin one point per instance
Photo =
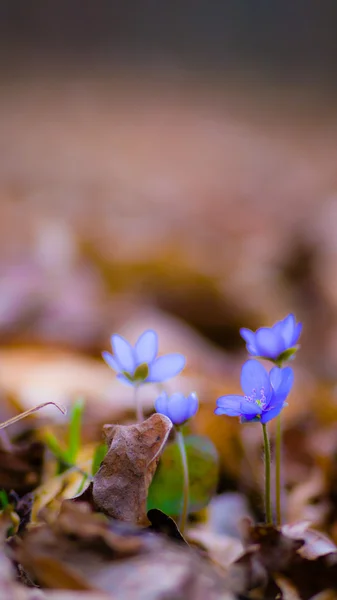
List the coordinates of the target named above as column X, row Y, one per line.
column 178, row 408
column 264, row 393
column 275, row 343
column 139, row 363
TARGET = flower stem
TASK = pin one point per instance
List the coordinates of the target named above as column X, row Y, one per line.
column 138, row 405
column 278, row 449
column 269, row 517
column 182, row 449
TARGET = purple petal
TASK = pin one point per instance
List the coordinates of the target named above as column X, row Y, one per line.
column 165, row 367
column 275, row 377
column 123, row 353
column 110, row 361
column 255, row 377
column 249, row 337
column 193, row 404
column 146, row 347
column 178, row 408
column 234, row 406
column 270, row 414
column 125, row 380
column 281, row 381
column 268, row 343
column 288, row 327
column 252, row 350
column 161, row 404
column 297, row 333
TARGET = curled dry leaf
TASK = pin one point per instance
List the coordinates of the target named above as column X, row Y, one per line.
column 120, row 486
column 85, row 551
column 162, row 523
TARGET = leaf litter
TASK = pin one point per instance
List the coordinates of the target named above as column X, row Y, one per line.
column 102, row 543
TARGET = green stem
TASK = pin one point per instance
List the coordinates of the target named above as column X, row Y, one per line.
column 182, row 449
column 278, row 450
column 269, row 517
column 138, row 405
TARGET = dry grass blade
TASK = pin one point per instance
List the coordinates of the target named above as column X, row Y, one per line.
column 29, row 412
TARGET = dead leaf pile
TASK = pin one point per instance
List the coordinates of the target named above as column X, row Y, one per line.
column 83, row 550
column 102, row 543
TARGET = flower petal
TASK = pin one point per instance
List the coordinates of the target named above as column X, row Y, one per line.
column 281, row 381
column 165, row 367
column 288, row 327
column 255, row 377
column 161, row 404
column 178, row 408
column 146, row 347
column 269, row 344
column 252, row 350
column 193, row 404
column 234, row 406
column 110, row 361
column 125, row 380
column 123, row 353
column 296, row 334
column 270, row 414
column 249, row 337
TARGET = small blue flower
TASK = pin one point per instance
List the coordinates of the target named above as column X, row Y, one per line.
column 265, row 393
column 139, row 364
column 274, row 343
column 178, row 408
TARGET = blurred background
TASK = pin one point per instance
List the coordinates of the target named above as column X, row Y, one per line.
column 170, row 165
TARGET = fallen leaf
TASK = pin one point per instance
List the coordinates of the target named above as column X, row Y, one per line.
column 222, row 549
column 162, row 523
column 82, row 550
column 120, row 486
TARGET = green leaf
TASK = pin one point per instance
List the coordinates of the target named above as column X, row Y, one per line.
column 3, row 499
column 99, row 455
column 75, row 425
column 53, row 445
column 166, row 490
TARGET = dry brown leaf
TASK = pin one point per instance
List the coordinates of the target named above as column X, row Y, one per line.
column 120, row 486
column 76, row 533
column 222, row 549
column 82, row 550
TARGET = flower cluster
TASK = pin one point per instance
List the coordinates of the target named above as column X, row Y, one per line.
column 264, row 393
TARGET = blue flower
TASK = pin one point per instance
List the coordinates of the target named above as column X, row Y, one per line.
column 265, row 393
column 139, row 364
column 178, row 408
column 275, row 343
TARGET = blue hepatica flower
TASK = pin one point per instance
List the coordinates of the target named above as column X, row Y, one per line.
column 178, row 408
column 139, row 363
column 264, row 393
column 274, row 343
